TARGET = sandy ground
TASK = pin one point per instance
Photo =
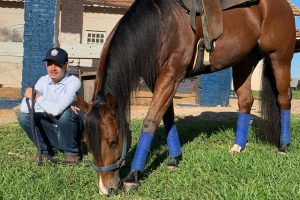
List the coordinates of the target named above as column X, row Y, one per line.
column 140, row 112
column 141, row 102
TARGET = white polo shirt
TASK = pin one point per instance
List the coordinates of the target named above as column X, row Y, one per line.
column 55, row 97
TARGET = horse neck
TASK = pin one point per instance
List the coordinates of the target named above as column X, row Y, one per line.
column 126, row 61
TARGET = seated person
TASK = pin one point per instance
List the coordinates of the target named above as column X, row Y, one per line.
column 58, row 125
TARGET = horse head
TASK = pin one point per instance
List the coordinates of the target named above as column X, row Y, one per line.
column 105, row 141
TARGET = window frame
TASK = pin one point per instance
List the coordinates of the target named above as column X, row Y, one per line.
column 94, row 37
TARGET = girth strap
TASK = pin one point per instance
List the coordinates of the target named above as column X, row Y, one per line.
column 212, row 22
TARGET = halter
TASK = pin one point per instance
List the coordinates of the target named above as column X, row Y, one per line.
column 118, row 164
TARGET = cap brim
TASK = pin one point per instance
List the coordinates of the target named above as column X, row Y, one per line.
column 53, row 61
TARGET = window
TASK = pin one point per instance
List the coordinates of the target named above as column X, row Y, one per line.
column 95, row 37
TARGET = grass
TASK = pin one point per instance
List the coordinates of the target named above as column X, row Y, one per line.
column 207, row 170
column 295, row 94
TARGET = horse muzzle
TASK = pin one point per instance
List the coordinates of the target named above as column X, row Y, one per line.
column 108, row 190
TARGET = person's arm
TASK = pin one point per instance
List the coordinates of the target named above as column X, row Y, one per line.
column 55, row 103
column 28, row 93
column 41, row 83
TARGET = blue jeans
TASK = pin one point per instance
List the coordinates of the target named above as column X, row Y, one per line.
column 61, row 133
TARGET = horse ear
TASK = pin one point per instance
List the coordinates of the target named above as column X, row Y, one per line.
column 82, row 104
column 111, row 101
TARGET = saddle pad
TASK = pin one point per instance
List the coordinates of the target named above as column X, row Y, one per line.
column 225, row 4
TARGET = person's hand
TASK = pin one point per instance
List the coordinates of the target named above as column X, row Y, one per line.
column 75, row 109
column 28, row 93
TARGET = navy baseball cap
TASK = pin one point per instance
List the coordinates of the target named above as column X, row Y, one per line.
column 58, row 55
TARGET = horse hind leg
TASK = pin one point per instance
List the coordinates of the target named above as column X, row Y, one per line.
column 173, row 141
column 276, row 100
column 242, row 85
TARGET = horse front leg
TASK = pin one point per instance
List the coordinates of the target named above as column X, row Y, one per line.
column 173, row 141
column 165, row 89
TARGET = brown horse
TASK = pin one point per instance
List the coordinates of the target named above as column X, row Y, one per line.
column 154, row 41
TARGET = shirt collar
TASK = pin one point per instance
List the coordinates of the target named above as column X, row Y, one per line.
column 63, row 81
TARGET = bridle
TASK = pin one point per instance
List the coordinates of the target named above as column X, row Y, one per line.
column 119, row 163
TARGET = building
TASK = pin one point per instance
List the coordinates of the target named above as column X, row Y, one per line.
column 83, row 28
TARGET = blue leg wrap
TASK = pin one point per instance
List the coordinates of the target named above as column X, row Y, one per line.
column 142, row 151
column 242, row 129
column 173, row 141
column 285, row 136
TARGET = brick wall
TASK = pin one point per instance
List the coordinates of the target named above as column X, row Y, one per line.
column 214, row 89
column 71, row 21
column 39, row 35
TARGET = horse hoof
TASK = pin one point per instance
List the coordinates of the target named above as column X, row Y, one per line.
column 131, row 181
column 173, row 163
column 127, row 187
column 283, row 149
column 235, row 149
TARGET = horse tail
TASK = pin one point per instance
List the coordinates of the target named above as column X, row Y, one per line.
column 270, row 111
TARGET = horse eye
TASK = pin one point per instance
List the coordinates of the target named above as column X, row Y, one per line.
column 113, row 143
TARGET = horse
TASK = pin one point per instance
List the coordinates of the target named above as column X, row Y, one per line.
column 154, row 41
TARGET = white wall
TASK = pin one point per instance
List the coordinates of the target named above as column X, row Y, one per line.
column 11, row 57
column 11, row 53
column 256, row 77
column 9, row 17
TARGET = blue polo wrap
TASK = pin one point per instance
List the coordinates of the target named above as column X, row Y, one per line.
column 173, row 141
column 285, row 136
column 142, row 151
column 242, row 129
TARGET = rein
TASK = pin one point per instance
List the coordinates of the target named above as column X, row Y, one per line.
column 32, row 121
column 118, row 164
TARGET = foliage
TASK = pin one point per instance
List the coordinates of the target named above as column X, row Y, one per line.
column 207, row 170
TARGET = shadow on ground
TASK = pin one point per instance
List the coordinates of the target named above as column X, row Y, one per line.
column 189, row 128
column 6, row 103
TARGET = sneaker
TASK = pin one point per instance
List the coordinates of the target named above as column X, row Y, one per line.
column 72, row 159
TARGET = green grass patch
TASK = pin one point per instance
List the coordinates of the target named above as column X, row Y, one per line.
column 207, row 170
column 296, row 94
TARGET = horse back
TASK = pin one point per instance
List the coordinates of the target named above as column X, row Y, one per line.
column 268, row 25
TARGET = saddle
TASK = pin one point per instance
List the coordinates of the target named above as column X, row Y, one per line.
column 211, row 16
column 212, row 25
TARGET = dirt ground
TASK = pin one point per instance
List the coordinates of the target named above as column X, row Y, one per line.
column 141, row 102
column 10, row 93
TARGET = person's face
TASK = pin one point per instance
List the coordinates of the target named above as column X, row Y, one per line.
column 55, row 71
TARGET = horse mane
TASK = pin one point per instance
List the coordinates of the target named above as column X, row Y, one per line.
column 132, row 53
column 92, row 128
